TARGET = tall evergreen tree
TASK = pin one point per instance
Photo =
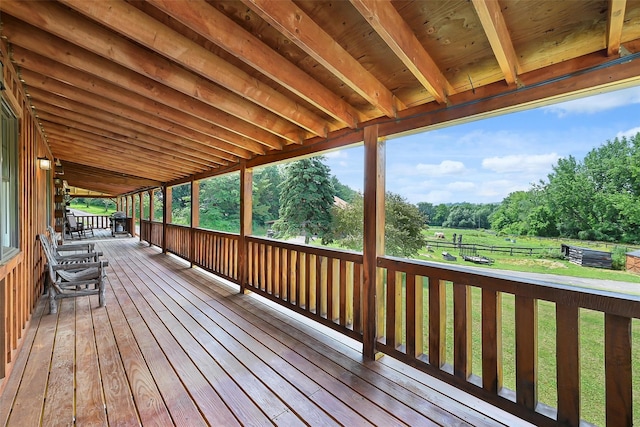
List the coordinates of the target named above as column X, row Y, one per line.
column 306, row 199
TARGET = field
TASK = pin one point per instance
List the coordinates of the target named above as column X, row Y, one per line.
column 542, row 261
column 92, row 210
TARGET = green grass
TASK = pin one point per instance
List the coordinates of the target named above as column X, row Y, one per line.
column 526, row 263
column 591, row 351
column 92, row 210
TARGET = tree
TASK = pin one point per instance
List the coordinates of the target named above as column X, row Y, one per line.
column 427, row 210
column 306, row 199
column 343, row 191
column 440, row 214
column 266, row 195
column 404, row 224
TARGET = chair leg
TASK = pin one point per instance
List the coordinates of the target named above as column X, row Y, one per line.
column 53, row 306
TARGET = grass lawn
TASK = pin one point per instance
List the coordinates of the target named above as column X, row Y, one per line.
column 92, row 210
column 526, row 263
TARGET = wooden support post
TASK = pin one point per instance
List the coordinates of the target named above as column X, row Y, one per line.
column 195, row 218
column 133, row 215
column 140, row 212
column 246, row 218
column 152, row 194
column 166, row 212
column 374, row 170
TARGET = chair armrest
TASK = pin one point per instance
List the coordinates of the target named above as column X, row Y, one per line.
column 84, row 265
column 89, row 247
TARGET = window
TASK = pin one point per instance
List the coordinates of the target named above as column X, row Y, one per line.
column 9, row 187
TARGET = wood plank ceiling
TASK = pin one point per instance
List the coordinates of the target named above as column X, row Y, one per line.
column 131, row 94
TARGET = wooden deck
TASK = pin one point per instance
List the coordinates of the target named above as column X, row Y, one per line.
column 174, row 346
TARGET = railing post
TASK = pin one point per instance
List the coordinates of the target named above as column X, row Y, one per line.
column 195, row 218
column 246, row 218
column 374, row 170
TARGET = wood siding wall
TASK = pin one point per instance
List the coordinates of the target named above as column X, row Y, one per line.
column 21, row 278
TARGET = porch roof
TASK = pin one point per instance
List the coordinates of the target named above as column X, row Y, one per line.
column 134, row 94
column 174, row 346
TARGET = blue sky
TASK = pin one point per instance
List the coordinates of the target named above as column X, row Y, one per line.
column 485, row 160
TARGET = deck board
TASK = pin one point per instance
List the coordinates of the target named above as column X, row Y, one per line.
column 175, row 346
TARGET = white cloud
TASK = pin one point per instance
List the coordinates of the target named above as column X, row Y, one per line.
column 521, row 163
column 597, row 103
column 338, row 154
column 446, row 167
column 461, row 186
column 628, row 133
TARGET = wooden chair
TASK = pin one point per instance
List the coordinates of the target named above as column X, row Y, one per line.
column 74, row 227
column 81, row 252
column 72, row 279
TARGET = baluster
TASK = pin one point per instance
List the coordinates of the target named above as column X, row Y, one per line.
column 491, row 341
column 357, row 297
column 437, row 322
column 394, row 308
column 342, row 289
column 617, row 358
column 414, row 316
column 462, row 354
column 568, row 364
column 526, row 352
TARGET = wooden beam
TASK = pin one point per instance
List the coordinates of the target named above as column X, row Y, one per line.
column 298, row 27
column 392, row 28
column 498, row 34
column 36, row 67
column 140, row 27
column 373, row 245
column 615, row 21
column 96, row 143
column 53, row 104
column 246, row 223
column 143, row 141
column 126, row 111
column 207, row 21
column 108, row 176
column 37, row 50
column 76, row 150
column 56, row 20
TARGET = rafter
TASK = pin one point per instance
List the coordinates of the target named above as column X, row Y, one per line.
column 297, row 26
column 217, row 28
column 498, row 34
column 615, row 19
column 94, row 38
column 140, row 27
column 35, row 80
column 390, row 26
column 106, row 90
column 125, row 110
column 40, row 51
column 149, row 152
column 43, row 98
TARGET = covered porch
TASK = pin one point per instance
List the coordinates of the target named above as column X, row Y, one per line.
column 133, row 98
column 176, row 346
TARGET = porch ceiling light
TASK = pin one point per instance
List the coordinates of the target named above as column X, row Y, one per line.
column 44, row 163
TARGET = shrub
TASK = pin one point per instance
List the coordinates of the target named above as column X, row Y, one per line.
column 619, row 258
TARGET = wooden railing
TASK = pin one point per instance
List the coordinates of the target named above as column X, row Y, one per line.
column 179, row 240
column 94, row 221
column 151, row 232
column 414, row 328
column 429, row 313
column 323, row 284
column 216, row 252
